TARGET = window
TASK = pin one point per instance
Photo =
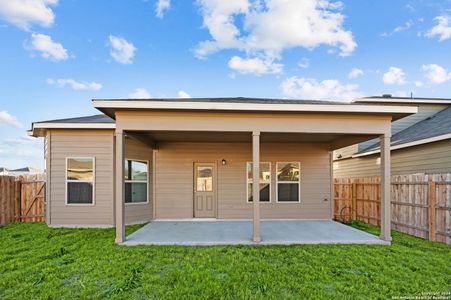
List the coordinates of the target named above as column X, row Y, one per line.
column 265, row 181
column 288, row 182
column 80, row 180
column 136, row 181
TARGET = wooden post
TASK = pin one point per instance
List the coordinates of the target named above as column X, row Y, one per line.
column 354, row 201
column 432, row 210
column 385, row 188
column 120, row 191
column 256, row 185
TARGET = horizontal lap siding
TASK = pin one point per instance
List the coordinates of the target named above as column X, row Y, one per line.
column 427, row 158
column 174, row 181
column 82, row 143
column 139, row 212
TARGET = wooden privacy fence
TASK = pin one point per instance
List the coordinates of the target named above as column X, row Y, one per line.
column 420, row 203
column 22, row 198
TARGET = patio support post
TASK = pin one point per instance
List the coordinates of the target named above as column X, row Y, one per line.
column 385, row 188
column 256, row 185
column 120, row 192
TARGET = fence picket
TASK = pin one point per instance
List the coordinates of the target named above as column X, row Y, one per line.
column 421, row 204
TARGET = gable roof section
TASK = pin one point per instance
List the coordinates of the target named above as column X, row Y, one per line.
column 434, row 128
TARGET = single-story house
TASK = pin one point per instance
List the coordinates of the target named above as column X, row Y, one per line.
column 420, row 143
column 215, row 158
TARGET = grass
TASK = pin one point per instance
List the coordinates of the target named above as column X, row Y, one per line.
column 37, row 262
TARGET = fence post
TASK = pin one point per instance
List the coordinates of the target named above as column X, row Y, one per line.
column 431, row 209
column 354, row 201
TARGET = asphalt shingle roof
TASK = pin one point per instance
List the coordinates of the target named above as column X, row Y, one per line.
column 436, row 125
column 88, row 119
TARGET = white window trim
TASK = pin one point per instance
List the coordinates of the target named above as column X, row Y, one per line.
column 139, row 181
column 250, row 181
column 299, row 182
column 82, row 181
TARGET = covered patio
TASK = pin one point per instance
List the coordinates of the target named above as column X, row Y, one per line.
column 239, row 232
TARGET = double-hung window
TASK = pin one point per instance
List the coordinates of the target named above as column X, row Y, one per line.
column 288, row 181
column 80, row 176
column 265, row 181
column 136, row 181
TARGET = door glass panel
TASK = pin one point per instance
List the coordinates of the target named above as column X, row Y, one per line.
column 204, row 179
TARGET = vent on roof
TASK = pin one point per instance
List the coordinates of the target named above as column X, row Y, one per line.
column 386, row 96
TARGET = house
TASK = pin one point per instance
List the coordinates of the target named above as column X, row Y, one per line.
column 24, row 171
column 4, row 171
column 420, row 143
column 214, row 158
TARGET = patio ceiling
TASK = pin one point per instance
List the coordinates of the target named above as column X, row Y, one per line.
column 152, row 138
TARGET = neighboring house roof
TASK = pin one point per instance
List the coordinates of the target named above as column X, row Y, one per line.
column 434, row 128
column 26, row 170
column 399, row 100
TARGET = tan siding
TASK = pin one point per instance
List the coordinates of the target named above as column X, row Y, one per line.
column 346, row 151
column 73, row 143
column 174, row 179
column 429, row 158
column 139, row 212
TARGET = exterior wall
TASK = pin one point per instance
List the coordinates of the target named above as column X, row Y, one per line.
column 174, row 179
column 81, row 143
column 139, row 212
column 428, row 158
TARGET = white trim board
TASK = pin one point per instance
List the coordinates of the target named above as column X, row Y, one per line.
column 186, row 105
column 406, row 145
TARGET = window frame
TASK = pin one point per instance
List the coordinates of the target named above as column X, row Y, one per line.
column 82, row 181
column 269, row 182
column 289, row 182
column 138, row 181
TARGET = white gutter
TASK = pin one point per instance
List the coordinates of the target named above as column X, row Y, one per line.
column 406, row 145
column 131, row 104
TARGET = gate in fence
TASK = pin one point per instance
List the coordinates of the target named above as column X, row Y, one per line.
column 22, row 199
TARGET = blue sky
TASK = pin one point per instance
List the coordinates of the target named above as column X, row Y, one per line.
column 58, row 55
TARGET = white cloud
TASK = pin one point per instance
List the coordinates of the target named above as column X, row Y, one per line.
column 271, row 26
column 256, row 66
column 401, row 28
column 23, row 140
column 140, row 93
column 76, row 85
column 418, row 83
column 304, row 63
column 8, row 119
column 355, row 72
column 307, row 88
column 47, row 47
column 121, row 51
column 394, row 75
column 161, row 7
column 442, row 29
column 183, row 94
column 436, row 74
column 23, row 13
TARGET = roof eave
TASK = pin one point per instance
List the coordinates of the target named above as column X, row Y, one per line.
column 109, row 107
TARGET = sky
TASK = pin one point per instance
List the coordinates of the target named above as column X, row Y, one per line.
column 57, row 55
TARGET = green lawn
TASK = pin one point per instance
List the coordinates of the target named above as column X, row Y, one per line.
column 37, row 262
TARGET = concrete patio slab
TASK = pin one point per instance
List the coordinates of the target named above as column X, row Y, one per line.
column 226, row 232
